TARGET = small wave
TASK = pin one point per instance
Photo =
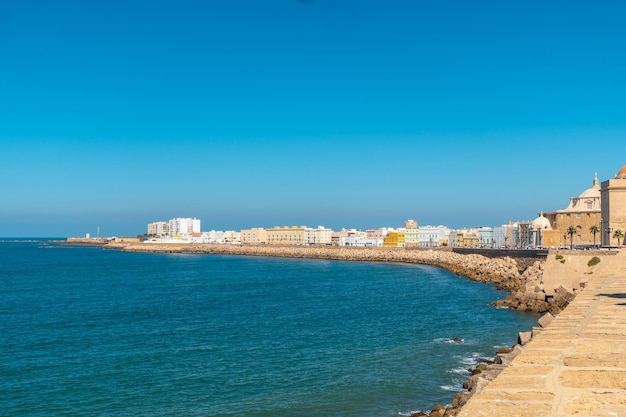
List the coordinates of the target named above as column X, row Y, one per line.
column 449, row 340
column 472, row 359
column 459, row 371
column 454, row 388
column 409, row 414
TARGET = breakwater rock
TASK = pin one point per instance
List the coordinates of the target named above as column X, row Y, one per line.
column 528, row 290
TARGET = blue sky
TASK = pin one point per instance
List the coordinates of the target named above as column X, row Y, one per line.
column 339, row 113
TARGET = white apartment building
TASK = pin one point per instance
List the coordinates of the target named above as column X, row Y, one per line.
column 433, row 236
column 183, row 227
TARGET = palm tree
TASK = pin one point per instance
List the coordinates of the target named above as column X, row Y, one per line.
column 594, row 229
column 571, row 231
column 619, row 235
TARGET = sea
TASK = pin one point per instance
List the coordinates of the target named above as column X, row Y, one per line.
column 86, row 331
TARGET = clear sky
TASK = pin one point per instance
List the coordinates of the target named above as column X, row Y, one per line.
column 342, row 113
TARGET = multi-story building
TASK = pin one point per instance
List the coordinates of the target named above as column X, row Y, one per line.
column 319, row 236
column 374, row 234
column 485, row 237
column 183, row 227
column 464, row 238
column 286, row 235
column 433, row 236
column 523, row 234
column 412, row 234
column 253, row 236
column 158, row 229
column 506, row 236
column 394, row 238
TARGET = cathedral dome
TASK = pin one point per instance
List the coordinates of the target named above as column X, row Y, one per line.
column 594, row 191
column 541, row 223
column 621, row 175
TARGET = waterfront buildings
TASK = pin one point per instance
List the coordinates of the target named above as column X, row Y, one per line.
column 318, row 236
column 394, row 239
column 285, row 235
column 464, row 238
column 158, row 229
column 183, row 227
column 485, row 237
column 433, row 236
column 253, row 236
column 412, row 234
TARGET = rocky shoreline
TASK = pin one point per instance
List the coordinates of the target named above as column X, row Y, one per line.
column 529, row 289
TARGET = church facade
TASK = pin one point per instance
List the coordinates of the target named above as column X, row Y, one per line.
column 582, row 213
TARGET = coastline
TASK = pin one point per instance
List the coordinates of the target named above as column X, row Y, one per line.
column 503, row 272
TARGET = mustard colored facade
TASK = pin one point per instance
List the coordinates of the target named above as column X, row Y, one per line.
column 286, row 235
column 394, row 239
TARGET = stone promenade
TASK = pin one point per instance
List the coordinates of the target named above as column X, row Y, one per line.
column 576, row 366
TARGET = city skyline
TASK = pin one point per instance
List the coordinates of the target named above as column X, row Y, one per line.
column 336, row 113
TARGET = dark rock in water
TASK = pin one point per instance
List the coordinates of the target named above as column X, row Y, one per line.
column 456, row 340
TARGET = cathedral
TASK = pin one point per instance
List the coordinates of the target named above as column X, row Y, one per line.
column 601, row 205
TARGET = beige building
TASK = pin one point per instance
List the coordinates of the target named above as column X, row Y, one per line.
column 319, row 236
column 465, row 238
column 286, row 235
column 582, row 213
column 253, row 236
column 613, row 197
column 412, row 234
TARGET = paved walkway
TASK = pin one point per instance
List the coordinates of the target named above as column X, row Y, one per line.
column 576, row 366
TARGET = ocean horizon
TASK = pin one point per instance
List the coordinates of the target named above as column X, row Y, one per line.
column 91, row 331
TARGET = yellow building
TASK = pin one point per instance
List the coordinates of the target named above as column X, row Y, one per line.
column 286, row 235
column 394, row 239
column 613, row 197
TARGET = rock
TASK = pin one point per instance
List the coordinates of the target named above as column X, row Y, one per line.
column 438, row 411
column 524, row 337
column 460, row 399
column 545, row 320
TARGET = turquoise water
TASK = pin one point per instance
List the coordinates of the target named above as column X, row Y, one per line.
column 87, row 331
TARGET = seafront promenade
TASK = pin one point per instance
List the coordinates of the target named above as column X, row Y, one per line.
column 575, row 366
